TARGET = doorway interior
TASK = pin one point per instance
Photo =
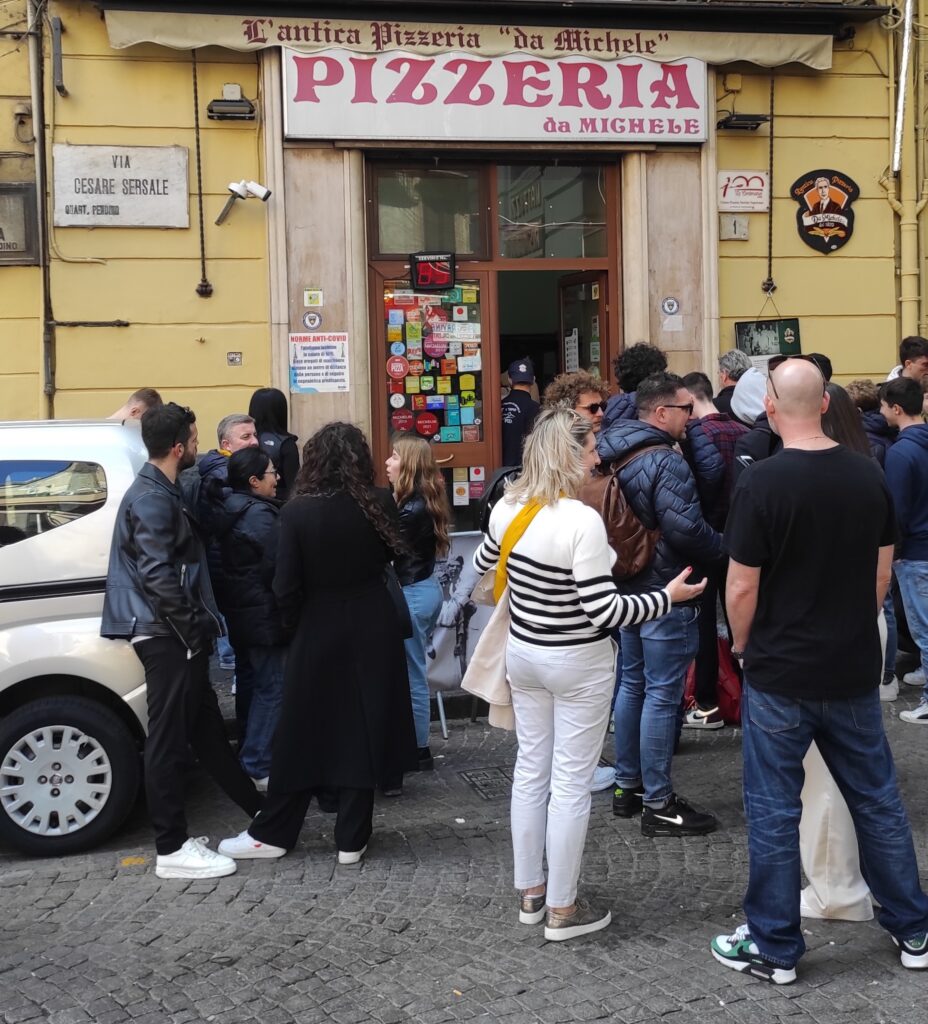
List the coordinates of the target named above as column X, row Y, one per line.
column 529, row 321
column 555, row 318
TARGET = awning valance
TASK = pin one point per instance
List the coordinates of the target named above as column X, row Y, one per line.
column 239, row 32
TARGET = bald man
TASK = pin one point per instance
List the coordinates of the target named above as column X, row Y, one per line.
column 810, row 537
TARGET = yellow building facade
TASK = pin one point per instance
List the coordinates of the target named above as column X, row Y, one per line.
column 118, row 307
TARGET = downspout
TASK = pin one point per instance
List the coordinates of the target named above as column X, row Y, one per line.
column 922, row 172
column 37, row 89
column 903, row 201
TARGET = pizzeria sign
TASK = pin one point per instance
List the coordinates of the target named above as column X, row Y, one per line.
column 337, row 94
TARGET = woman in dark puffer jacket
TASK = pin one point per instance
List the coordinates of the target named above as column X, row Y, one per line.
column 248, row 529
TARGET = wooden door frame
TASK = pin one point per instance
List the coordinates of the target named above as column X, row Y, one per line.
column 486, row 271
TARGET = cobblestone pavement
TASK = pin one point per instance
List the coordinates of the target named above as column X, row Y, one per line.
column 425, row 929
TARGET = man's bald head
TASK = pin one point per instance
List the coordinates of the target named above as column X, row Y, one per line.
column 796, row 391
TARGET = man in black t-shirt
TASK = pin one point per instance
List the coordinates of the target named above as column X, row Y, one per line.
column 519, row 411
column 810, row 536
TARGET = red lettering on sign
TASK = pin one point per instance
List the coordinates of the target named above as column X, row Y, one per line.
column 574, row 82
column 306, row 80
column 411, row 81
column 471, row 71
column 363, row 79
column 673, row 84
column 630, row 73
column 518, row 80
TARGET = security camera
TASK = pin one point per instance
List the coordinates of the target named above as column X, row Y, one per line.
column 243, row 190
column 257, row 190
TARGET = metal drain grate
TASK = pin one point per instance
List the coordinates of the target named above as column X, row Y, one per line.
column 490, row 783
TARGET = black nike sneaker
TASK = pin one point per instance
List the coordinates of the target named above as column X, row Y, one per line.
column 677, row 818
column 626, row 803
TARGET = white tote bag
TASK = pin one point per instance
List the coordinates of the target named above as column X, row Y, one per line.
column 486, row 671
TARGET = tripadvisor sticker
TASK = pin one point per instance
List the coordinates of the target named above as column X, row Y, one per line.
column 825, row 219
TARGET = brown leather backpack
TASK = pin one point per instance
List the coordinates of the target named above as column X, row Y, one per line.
column 631, row 540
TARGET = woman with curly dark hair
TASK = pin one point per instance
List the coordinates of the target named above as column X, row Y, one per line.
column 346, row 722
column 631, row 367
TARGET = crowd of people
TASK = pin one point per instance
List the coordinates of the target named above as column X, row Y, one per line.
column 206, row 549
column 738, row 501
column 685, row 468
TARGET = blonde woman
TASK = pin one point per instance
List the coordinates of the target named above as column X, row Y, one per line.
column 560, row 661
column 425, row 520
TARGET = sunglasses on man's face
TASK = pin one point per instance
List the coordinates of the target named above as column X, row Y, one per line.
column 593, row 408
column 688, row 408
column 780, row 360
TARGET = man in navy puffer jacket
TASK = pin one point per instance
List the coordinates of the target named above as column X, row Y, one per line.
column 661, row 490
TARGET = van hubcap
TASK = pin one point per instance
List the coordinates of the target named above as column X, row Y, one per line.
column 55, row 780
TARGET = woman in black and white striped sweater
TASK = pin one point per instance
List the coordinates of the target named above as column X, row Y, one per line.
column 560, row 661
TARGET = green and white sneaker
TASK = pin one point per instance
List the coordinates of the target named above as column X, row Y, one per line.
column 740, row 952
column 913, row 952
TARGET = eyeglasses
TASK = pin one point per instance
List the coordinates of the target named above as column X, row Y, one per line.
column 270, row 472
column 593, row 408
column 688, row 408
column 776, row 361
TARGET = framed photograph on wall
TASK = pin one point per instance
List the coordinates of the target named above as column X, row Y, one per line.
column 761, row 339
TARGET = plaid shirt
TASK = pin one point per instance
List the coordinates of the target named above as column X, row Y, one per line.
column 722, row 432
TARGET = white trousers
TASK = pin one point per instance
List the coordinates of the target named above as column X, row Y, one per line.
column 561, row 698
column 828, row 842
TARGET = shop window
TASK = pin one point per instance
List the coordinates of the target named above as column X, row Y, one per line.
column 420, row 208
column 434, row 377
column 40, row 495
column 551, row 211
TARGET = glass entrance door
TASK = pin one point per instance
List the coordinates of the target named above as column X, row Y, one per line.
column 583, row 322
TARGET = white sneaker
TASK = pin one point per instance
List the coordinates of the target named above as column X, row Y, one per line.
column 261, row 784
column 194, row 860
column 603, row 778
column 245, row 847
column 351, row 857
column 917, row 717
column 889, row 691
column 916, row 678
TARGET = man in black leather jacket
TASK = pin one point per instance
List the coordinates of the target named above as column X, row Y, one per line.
column 159, row 598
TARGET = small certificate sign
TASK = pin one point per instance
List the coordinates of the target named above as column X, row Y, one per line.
column 319, row 362
column 121, row 186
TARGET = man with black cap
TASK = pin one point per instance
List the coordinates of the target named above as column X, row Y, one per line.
column 519, row 411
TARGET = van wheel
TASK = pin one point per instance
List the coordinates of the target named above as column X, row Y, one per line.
column 69, row 774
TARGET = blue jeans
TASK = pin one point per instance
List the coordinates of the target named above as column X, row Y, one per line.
column 849, row 734
column 424, row 599
column 655, row 657
column 912, row 578
column 266, row 693
column 224, row 648
column 892, row 638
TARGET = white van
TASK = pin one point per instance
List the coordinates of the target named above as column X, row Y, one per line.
column 72, row 705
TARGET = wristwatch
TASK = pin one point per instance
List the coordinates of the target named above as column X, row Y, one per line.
column 737, row 655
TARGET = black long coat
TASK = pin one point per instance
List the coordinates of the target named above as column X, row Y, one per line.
column 346, row 719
